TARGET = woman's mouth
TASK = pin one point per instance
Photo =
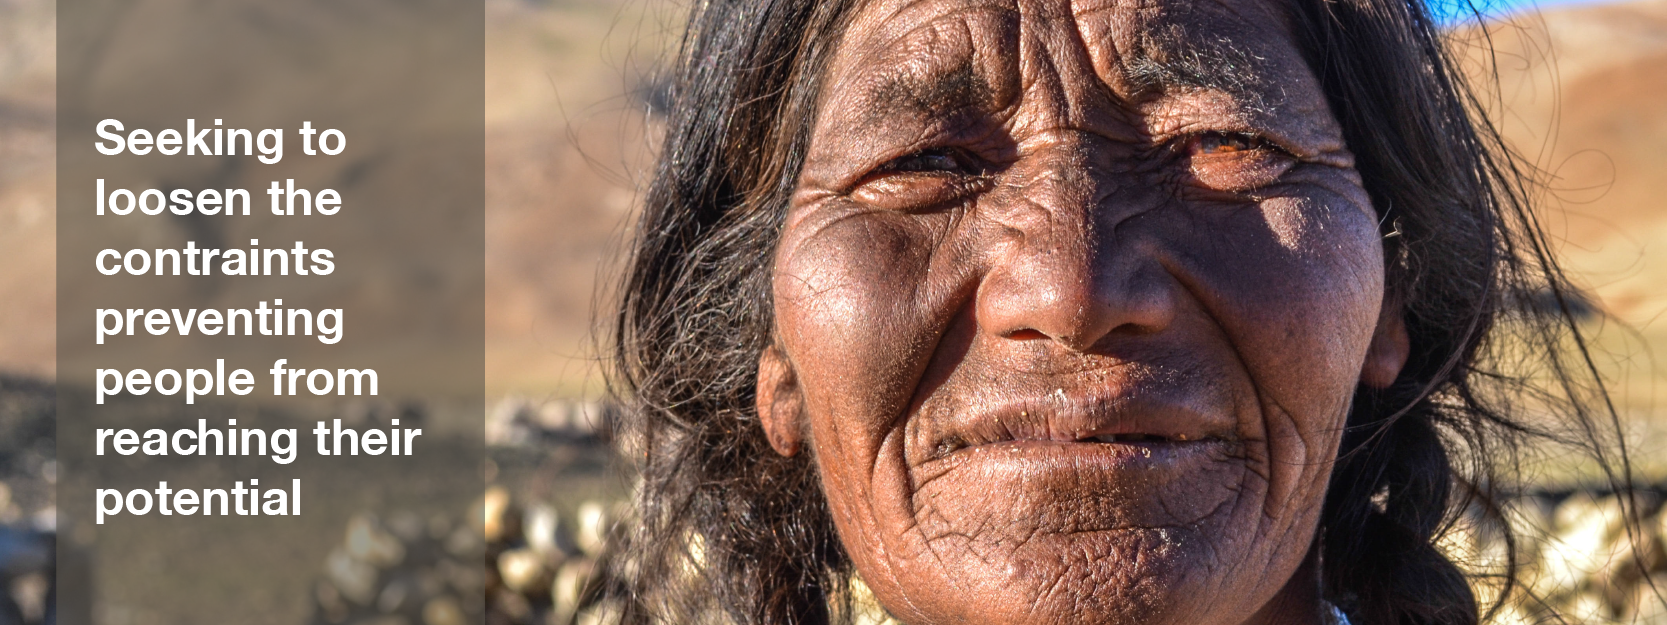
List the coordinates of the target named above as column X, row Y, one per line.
column 1133, row 438
column 1148, row 420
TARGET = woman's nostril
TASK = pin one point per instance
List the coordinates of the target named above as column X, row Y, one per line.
column 1027, row 334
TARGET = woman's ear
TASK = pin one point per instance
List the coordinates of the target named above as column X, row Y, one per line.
column 780, row 405
column 1389, row 349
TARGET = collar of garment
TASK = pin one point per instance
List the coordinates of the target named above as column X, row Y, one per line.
column 1334, row 616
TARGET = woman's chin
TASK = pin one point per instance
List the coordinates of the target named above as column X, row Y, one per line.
column 1005, row 495
column 1135, row 575
column 1075, row 533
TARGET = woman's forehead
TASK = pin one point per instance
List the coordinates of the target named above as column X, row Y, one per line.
column 920, row 52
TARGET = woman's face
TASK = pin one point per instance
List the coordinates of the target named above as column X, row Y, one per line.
column 1071, row 301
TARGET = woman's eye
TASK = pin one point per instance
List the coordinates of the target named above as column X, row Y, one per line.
column 1235, row 162
column 923, row 180
column 936, row 160
column 1216, row 143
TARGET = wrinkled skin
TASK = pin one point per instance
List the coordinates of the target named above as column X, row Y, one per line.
column 1071, row 302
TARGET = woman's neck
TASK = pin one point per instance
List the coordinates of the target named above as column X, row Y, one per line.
column 1298, row 603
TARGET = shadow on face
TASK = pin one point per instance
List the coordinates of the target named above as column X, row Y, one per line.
column 1071, row 301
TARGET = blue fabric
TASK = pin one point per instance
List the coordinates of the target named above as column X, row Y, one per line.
column 1337, row 616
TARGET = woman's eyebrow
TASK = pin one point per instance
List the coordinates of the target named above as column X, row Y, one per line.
column 1146, row 75
column 1155, row 67
column 1168, row 65
column 941, row 92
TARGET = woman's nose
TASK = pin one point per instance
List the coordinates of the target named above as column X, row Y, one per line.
column 1073, row 263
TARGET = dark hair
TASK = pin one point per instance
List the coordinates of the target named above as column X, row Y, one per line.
column 729, row 530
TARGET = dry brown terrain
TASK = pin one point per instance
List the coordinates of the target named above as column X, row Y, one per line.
column 1580, row 95
column 27, row 188
column 564, row 151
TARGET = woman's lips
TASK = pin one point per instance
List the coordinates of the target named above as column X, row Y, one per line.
column 1030, row 459
column 1094, row 460
column 1143, row 424
column 1027, row 456
column 1071, row 487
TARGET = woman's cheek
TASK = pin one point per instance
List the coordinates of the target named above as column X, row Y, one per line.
column 848, row 308
column 1331, row 261
column 1296, row 284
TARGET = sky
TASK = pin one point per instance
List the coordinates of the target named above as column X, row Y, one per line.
column 1492, row 8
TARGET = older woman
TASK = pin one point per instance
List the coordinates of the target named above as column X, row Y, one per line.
column 1051, row 311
